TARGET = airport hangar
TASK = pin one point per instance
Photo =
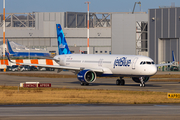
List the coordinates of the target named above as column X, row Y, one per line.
column 110, row 33
column 154, row 34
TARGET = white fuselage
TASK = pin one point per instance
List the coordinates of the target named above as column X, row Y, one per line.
column 123, row 65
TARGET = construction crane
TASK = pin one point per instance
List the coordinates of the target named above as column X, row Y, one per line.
column 135, row 6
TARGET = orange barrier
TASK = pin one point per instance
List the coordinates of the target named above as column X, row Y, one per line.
column 4, row 61
column 49, row 62
column 34, row 61
column 19, row 61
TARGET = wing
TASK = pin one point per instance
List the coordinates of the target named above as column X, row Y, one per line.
column 166, row 64
column 102, row 70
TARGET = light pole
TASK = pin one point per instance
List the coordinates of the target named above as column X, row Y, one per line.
column 4, row 33
column 29, row 44
column 87, row 27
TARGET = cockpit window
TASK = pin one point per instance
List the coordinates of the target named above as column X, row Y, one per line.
column 146, row 62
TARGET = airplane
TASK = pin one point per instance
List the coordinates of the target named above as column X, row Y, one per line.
column 90, row 66
column 25, row 54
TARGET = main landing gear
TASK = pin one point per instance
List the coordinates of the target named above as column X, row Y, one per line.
column 82, row 84
column 120, row 81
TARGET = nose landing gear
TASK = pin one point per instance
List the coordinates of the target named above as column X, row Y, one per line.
column 142, row 84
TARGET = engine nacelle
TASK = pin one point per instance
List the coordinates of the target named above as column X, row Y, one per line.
column 86, row 76
column 137, row 79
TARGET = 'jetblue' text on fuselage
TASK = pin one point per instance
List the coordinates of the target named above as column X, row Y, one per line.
column 122, row 62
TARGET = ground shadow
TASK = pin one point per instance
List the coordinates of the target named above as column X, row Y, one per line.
column 109, row 84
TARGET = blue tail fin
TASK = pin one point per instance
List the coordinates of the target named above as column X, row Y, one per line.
column 173, row 57
column 9, row 49
column 62, row 44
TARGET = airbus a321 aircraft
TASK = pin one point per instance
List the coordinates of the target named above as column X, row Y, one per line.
column 90, row 66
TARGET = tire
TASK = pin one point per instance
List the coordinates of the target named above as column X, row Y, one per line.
column 122, row 82
column 87, row 84
column 82, row 84
column 117, row 82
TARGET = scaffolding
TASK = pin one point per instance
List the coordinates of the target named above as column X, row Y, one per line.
column 79, row 20
column 18, row 19
column 141, row 38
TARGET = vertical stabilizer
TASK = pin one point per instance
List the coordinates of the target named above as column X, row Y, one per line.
column 173, row 56
column 62, row 44
column 9, row 49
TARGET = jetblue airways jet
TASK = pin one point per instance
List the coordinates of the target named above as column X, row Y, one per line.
column 25, row 54
column 90, row 66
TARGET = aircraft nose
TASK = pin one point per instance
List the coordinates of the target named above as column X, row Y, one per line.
column 153, row 70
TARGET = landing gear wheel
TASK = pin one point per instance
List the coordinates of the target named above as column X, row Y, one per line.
column 142, row 85
column 86, row 84
column 122, row 82
column 82, row 84
column 117, row 82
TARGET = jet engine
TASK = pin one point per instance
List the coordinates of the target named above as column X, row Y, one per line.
column 86, row 76
column 138, row 80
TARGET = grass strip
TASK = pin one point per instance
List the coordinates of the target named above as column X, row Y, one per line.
column 11, row 95
column 43, row 75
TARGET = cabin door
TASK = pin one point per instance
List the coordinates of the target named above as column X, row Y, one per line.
column 134, row 63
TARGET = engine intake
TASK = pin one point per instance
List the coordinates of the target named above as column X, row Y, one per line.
column 86, row 76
